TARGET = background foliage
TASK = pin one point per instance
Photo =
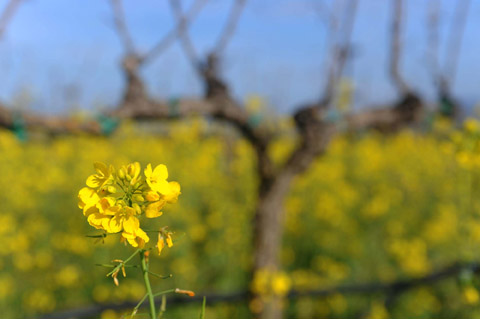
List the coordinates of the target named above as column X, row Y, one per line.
column 374, row 208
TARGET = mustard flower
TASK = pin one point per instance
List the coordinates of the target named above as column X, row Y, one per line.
column 157, row 178
column 104, row 174
column 114, row 200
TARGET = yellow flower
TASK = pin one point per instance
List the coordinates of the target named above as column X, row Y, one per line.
column 158, row 201
column 116, row 212
column 105, row 203
column 96, row 208
column 131, row 172
column 169, row 240
column 123, row 219
column 281, row 284
column 157, row 179
column 99, row 221
column 164, row 237
column 471, row 125
column 87, row 200
column 173, row 193
column 137, row 239
column 103, row 175
column 267, row 282
column 160, row 244
column 152, row 196
column 153, row 210
column 471, row 296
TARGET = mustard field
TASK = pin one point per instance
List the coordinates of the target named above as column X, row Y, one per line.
column 374, row 208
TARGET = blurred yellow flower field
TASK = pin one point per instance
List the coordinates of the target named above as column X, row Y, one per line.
column 375, row 208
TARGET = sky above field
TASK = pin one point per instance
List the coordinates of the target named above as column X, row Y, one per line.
column 60, row 53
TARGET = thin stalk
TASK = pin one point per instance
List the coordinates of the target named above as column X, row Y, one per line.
column 164, row 292
column 163, row 307
column 160, row 276
column 122, row 264
column 113, row 266
column 204, row 304
column 151, row 298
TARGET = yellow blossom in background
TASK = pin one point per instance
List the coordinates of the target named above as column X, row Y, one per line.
column 373, row 208
column 109, row 314
column 7, row 286
column 281, row 284
column 471, row 125
column 68, row 276
column 40, row 299
column 378, row 311
column 471, row 295
column 267, row 283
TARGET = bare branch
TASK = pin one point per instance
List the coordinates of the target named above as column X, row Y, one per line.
column 49, row 124
column 316, row 131
column 341, row 49
column 230, row 26
column 322, row 10
column 433, row 38
column 222, row 108
column 332, row 38
column 219, row 108
column 7, row 14
column 185, row 40
column 396, row 47
column 121, row 26
column 349, row 21
column 182, row 23
column 454, row 43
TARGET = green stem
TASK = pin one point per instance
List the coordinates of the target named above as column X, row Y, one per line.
column 151, row 298
column 161, row 293
column 163, row 307
column 164, row 292
column 113, row 266
column 160, row 276
column 104, row 235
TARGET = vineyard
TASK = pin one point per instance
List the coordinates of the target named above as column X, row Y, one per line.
column 239, row 159
column 373, row 209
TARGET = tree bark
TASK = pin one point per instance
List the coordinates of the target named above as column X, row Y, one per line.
column 135, row 95
column 268, row 234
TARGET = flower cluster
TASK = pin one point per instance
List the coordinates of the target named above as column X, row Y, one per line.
column 267, row 282
column 114, row 199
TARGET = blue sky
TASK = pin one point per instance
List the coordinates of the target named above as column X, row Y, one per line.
column 278, row 52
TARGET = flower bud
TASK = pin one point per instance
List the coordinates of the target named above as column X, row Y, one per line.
column 138, row 198
column 111, row 189
column 121, row 173
column 137, row 208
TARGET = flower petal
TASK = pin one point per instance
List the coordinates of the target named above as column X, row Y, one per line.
column 162, row 187
column 101, row 168
column 160, row 172
column 93, row 181
column 131, row 224
column 114, row 224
